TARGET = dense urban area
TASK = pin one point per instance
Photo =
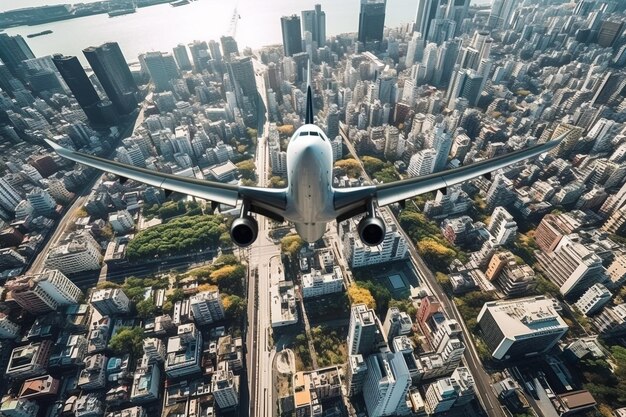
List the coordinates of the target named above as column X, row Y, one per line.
column 503, row 296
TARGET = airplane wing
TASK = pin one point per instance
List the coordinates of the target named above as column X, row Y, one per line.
column 265, row 201
column 352, row 201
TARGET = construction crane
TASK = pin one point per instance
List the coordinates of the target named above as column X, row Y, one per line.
column 234, row 20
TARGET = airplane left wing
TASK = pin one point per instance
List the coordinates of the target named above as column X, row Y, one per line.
column 265, row 201
column 352, row 201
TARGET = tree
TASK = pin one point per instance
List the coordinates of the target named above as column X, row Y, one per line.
column 252, row 133
column 436, row 254
column 146, row 308
column 247, row 169
column 351, row 166
column 387, row 174
column 103, row 285
column 277, row 182
column 291, row 244
column 372, row 165
column 361, row 295
column 229, row 279
column 127, row 339
column 207, row 287
column 286, row 130
column 176, row 296
column 234, row 306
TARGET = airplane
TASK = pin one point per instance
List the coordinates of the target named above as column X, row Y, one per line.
column 309, row 201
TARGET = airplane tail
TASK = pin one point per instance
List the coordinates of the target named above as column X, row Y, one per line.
column 309, row 97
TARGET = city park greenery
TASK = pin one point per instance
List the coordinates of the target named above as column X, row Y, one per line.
column 127, row 340
column 180, row 236
column 330, row 345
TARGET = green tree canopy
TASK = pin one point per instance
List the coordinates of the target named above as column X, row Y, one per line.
column 127, row 339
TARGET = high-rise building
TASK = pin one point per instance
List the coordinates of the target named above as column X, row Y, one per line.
column 14, row 50
column 76, row 79
column 356, row 373
column 592, row 301
column 502, row 226
column 292, row 34
column 122, row 221
column 42, row 202
column 242, row 72
column 397, row 323
column 427, row 11
column 18, row 407
column 216, row 53
column 501, row 12
column 207, row 307
column 314, row 21
column 182, row 57
column 225, row 387
column 500, row 193
column 199, row 54
column 611, row 322
column 573, row 267
column 520, row 328
column 108, row 63
column 9, row 197
column 229, row 47
column 365, row 333
column 386, row 385
column 372, row 21
column 422, row 163
column 162, row 69
column 43, row 292
column 79, row 252
column 609, row 32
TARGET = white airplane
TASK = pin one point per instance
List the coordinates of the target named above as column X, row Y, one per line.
column 309, row 201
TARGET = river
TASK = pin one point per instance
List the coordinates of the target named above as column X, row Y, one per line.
column 161, row 27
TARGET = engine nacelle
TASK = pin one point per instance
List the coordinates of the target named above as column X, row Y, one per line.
column 372, row 230
column 244, row 231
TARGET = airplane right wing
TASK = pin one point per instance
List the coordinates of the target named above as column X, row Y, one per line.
column 352, row 201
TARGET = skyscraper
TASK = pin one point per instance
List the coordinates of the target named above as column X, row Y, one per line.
column 427, row 11
column 162, row 69
column 9, row 197
column 372, row 20
column 199, row 55
column 502, row 226
column 242, row 73
column 386, row 385
column 314, row 21
column 182, row 57
column 14, row 50
column 229, row 47
column 76, row 79
column 365, row 332
column 501, row 12
column 609, row 32
column 292, row 38
column 109, row 65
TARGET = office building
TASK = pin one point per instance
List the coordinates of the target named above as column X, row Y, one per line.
column 314, row 22
column 18, row 407
column 520, row 328
column 573, row 267
column 502, row 226
column 500, row 192
column 514, row 280
column 501, row 13
column 229, row 47
column 199, row 54
column 79, row 252
column 371, row 21
column 397, row 323
column 242, row 72
column 9, row 197
column 109, row 65
column 182, row 57
column 76, row 79
column 611, row 322
column 122, row 222
column 553, row 227
column 14, row 50
column 616, row 272
column 184, row 352
column 365, row 333
column 356, row 373
column 110, row 301
column 162, row 69
column 43, row 293
column 146, row 383
column 206, row 307
column 427, row 11
column 225, row 387
column 318, row 283
column 394, row 246
column 386, row 385
column 8, row 329
column 93, row 376
column 42, row 202
column 292, row 35
column 609, row 32
column 28, row 361
column 422, row 163
column 594, row 299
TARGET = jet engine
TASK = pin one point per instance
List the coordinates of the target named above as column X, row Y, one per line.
column 372, row 230
column 244, row 231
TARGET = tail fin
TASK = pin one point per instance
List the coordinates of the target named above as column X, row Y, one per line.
column 309, row 97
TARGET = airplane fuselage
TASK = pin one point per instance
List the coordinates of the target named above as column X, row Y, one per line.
column 310, row 194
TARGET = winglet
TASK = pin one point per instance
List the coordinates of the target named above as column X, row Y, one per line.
column 309, row 97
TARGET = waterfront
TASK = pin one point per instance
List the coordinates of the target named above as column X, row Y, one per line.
column 163, row 27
